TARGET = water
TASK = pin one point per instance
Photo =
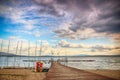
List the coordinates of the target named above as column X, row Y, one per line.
column 23, row 61
column 111, row 63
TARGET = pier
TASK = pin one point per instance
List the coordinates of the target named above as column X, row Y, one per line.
column 62, row 72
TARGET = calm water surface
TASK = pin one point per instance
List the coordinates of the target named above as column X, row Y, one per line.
column 112, row 63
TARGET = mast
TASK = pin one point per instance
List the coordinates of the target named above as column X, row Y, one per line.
column 66, row 60
column 28, row 53
column 36, row 50
column 8, row 52
column 28, row 48
column 40, row 49
column 16, row 53
column 20, row 51
column 1, row 45
column 2, row 48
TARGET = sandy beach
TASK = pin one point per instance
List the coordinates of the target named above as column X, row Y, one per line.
column 21, row 74
column 109, row 73
column 27, row 74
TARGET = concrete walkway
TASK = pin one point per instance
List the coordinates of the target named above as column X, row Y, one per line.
column 61, row 72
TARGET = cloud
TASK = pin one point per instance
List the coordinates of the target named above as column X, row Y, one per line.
column 64, row 48
column 80, row 34
column 93, row 49
column 98, row 48
column 65, row 44
column 50, row 7
column 73, row 19
column 20, row 15
column 36, row 33
column 19, row 31
column 16, row 38
column 99, row 16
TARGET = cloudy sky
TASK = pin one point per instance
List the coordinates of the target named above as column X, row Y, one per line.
column 65, row 27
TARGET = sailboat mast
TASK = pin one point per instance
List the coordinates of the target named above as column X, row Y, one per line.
column 20, row 49
column 40, row 49
column 16, row 53
column 36, row 50
column 20, row 52
column 28, row 53
column 8, row 52
column 28, row 48
column 17, row 47
column 1, row 45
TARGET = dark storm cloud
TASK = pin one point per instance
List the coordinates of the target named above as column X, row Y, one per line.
column 106, row 20
column 111, row 12
column 51, row 10
column 103, row 16
column 49, row 7
column 60, row 31
column 100, row 15
column 16, row 3
column 100, row 48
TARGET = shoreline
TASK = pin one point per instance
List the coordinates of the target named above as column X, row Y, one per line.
column 108, row 73
column 21, row 74
column 29, row 74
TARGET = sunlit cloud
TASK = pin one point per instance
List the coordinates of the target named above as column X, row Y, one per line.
column 71, row 27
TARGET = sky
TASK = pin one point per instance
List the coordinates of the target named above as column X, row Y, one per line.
column 64, row 27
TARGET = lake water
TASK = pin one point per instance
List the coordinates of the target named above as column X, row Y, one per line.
column 111, row 63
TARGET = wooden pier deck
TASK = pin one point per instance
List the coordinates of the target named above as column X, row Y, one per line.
column 61, row 72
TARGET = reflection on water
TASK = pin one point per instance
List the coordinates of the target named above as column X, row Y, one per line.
column 112, row 63
column 77, row 62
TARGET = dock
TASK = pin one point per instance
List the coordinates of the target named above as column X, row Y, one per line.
column 62, row 72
